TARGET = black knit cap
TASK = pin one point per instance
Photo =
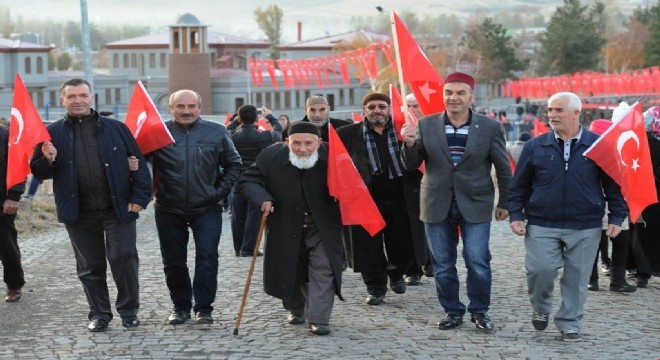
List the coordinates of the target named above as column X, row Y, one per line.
column 303, row 127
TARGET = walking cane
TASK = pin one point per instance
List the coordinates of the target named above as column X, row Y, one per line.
column 249, row 277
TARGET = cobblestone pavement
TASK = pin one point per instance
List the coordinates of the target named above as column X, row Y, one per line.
column 49, row 321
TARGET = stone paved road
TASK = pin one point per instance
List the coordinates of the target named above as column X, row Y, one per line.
column 49, row 322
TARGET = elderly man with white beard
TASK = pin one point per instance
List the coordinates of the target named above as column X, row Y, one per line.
column 303, row 255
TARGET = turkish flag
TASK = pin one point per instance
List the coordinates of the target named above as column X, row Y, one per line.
column 399, row 110
column 270, row 67
column 623, row 153
column 253, row 71
column 263, row 125
column 540, row 127
column 357, row 117
column 417, row 70
column 345, row 184
column 228, row 118
column 26, row 130
column 145, row 122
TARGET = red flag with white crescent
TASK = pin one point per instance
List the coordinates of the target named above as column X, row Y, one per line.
column 145, row 123
column 623, row 153
column 26, row 130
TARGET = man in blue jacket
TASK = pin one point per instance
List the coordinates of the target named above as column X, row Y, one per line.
column 562, row 195
column 98, row 199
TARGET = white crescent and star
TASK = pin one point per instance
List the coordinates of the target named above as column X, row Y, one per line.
column 140, row 121
column 621, row 141
column 19, row 118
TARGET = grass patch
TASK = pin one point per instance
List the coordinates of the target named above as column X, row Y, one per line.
column 38, row 214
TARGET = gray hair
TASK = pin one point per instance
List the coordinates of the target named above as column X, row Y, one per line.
column 179, row 92
column 410, row 97
column 574, row 102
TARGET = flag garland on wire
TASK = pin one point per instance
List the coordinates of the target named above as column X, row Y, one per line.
column 322, row 71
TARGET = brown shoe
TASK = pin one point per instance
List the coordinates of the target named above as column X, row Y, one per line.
column 13, row 295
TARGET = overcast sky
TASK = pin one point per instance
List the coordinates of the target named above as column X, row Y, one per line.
column 319, row 17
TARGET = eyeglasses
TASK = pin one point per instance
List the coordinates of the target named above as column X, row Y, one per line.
column 381, row 107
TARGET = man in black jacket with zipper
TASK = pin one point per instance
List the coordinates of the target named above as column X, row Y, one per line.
column 192, row 175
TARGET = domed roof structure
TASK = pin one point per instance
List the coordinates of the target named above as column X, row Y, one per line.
column 188, row 19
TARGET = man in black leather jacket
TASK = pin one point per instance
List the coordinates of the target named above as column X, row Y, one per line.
column 192, row 176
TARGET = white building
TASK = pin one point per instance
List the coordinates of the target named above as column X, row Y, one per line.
column 147, row 58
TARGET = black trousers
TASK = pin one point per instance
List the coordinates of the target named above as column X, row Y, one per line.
column 10, row 254
column 620, row 247
column 97, row 236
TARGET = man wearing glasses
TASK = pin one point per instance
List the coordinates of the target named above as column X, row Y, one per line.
column 374, row 148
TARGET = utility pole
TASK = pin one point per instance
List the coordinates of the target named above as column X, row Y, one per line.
column 86, row 46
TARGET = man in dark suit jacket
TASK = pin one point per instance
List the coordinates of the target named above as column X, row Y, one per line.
column 457, row 192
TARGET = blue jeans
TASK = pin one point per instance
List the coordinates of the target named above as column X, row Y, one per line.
column 245, row 221
column 442, row 240
column 173, row 235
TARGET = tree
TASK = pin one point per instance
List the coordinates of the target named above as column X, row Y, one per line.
column 572, row 41
column 495, row 52
column 64, row 61
column 651, row 18
column 625, row 50
column 269, row 21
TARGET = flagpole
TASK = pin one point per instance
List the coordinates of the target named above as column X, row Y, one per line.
column 397, row 58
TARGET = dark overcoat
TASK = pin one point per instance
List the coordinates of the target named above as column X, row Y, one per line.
column 645, row 244
column 272, row 177
column 351, row 136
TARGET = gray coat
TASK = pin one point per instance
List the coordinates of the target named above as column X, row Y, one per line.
column 470, row 180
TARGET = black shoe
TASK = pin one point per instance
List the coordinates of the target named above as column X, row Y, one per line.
column 178, row 317
column 249, row 254
column 642, row 283
column 450, row 321
column 130, row 322
column 625, row 287
column 593, row 286
column 398, row 287
column 97, row 325
column 482, row 321
column 428, row 271
column 295, row 319
column 375, row 299
column 203, row 317
column 540, row 321
column 319, row 329
column 413, row 280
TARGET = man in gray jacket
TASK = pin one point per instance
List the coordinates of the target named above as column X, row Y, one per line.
column 457, row 193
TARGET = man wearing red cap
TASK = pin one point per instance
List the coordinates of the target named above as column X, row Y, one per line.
column 459, row 148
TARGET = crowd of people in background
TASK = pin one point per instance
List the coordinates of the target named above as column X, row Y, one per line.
column 562, row 203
